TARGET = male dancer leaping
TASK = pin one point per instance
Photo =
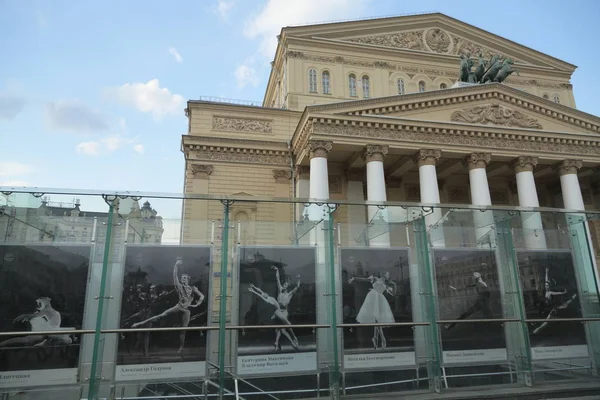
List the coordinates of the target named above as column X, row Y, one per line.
column 481, row 304
column 186, row 295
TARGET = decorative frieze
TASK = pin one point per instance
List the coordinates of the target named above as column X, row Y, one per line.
column 319, row 148
column 402, row 40
column 495, row 114
column 499, row 196
column 477, row 160
column 373, row 152
column 417, row 133
column 247, row 125
column 201, row 171
column 282, row 175
column 524, row 163
column 251, row 157
column 427, row 156
column 335, row 184
column 567, row 167
column 413, row 193
column 458, row 194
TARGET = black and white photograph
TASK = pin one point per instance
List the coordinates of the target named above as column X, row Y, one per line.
column 376, row 290
column 42, row 288
column 164, row 286
column 468, row 289
column 277, row 288
column 550, row 293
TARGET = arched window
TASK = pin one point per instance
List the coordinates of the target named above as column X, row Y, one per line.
column 325, row 82
column 556, row 99
column 352, row 85
column 546, row 97
column 421, row 86
column 443, row 86
column 400, row 86
column 366, row 87
column 312, row 80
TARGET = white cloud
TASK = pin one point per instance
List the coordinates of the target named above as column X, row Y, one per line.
column 267, row 24
column 223, row 9
column 88, row 148
column 75, row 116
column 173, row 51
column 11, row 105
column 149, row 97
column 246, row 75
column 139, row 148
column 11, row 168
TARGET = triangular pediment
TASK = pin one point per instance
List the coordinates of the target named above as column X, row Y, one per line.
column 433, row 33
column 488, row 105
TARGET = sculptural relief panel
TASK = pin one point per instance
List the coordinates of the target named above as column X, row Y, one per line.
column 249, row 125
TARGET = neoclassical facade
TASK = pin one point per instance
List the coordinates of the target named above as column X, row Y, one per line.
column 371, row 110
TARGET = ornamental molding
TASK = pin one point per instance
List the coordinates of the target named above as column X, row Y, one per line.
column 282, row 175
column 374, row 152
column 495, row 114
column 228, row 141
column 201, row 171
column 468, row 94
column 431, row 40
column 524, row 163
column 428, row 135
column 477, row 160
column 427, row 156
column 247, row 125
column 236, row 155
column 567, row 167
column 319, row 148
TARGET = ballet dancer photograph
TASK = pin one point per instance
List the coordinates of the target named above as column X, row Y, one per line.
column 550, row 293
column 376, row 290
column 468, row 290
column 164, row 286
column 42, row 288
column 276, row 288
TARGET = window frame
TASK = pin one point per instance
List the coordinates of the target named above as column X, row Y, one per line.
column 326, row 88
column 352, row 84
column 367, row 92
column 313, row 86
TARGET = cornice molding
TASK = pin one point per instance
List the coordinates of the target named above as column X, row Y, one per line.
column 467, row 94
column 427, row 134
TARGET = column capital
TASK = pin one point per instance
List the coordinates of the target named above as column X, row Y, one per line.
column 477, row 160
column 567, row 167
column 302, row 171
column 524, row 163
column 282, row 175
column 427, row 156
column 374, row 152
column 319, row 148
column 201, row 171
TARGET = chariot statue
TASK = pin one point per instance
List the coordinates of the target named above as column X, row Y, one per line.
column 496, row 69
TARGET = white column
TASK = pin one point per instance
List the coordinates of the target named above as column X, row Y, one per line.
column 533, row 230
column 480, row 196
column 376, row 191
column 430, row 194
column 356, row 213
column 319, row 176
column 569, row 183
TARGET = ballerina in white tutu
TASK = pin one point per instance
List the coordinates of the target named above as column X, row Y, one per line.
column 375, row 308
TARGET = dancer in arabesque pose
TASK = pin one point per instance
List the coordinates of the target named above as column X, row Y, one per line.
column 186, row 294
column 553, row 302
column 375, row 308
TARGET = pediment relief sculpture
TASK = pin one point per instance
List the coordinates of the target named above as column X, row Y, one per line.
column 434, row 40
column 495, row 114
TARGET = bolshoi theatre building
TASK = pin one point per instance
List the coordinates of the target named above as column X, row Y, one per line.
column 377, row 110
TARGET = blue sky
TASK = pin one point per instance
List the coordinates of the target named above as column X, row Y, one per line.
column 92, row 93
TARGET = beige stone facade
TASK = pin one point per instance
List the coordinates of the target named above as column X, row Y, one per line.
column 387, row 82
